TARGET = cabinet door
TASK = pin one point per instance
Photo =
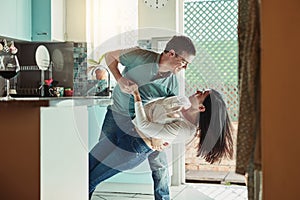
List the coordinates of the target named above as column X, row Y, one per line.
column 15, row 19
column 48, row 20
column 41, row 20
column 58, row 20
column 23, row 22
column 64, row 155
column 8, row 19
column 96, row 117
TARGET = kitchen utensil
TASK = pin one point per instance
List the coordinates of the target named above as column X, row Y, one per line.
column 42, row 57
column 58, row 60
column 56, row 91
column 9, row 68
column 5, row 47
column 12, row 48
column 48, row 81
column 68, row 92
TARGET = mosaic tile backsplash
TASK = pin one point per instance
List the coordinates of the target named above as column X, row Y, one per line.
column 82, row 86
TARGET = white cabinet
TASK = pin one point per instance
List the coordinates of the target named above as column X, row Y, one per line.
column 44, row 20
column 68, row 132
column 15, row 19
column 23, row 24
column 96, row 115
column 58, row 20
column 64, row 153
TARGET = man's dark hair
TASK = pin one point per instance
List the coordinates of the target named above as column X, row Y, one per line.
column 181, row 44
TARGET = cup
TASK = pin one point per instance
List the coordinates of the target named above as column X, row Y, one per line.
column 68, row 92
column 56, row 91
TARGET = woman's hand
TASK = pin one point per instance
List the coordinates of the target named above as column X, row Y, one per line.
column 136, row 95
column 158, row 144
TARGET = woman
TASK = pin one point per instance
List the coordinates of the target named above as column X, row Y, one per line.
column 160, row 123
column 175, row 119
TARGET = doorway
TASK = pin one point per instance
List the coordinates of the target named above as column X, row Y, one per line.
column 213, row 27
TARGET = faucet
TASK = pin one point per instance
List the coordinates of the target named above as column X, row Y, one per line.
column 107, row 90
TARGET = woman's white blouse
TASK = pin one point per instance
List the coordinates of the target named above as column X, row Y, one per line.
column 162, row 119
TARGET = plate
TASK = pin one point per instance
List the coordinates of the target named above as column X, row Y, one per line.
column 58, row 60
column 42, row 57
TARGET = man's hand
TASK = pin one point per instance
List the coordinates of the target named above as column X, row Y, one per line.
column 127, row 86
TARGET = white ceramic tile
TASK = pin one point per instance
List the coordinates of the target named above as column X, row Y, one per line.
column 191, row 194
column 222, row 192
column 187, row 191
column 227, row 194
column 177, row 188
column 116, row 198
column 111, row 197
column 143, row 196
column 125, row 188
column 113, row 194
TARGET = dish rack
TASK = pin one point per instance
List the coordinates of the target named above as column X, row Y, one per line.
column 29, row 76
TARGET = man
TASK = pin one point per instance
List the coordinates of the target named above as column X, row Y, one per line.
column 154, row 75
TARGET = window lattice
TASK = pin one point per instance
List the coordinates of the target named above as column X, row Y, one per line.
column 212, row 25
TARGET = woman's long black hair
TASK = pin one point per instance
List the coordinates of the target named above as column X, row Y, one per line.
column 215, row 136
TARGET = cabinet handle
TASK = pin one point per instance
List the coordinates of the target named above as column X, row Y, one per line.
column 42, row 33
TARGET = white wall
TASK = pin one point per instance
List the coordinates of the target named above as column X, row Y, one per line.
column 76, row 20
column 158, row 22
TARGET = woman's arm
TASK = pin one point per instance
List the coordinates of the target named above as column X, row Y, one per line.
column 137, row 96
column 157, row 144
column 167, row 132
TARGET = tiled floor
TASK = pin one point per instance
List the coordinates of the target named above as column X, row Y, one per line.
column 214, row 176
column 189, row 191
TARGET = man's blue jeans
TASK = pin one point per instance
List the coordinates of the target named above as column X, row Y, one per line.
column 160, row 174
column 120, row 148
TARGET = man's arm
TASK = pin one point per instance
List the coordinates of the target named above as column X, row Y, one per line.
column 112, row 59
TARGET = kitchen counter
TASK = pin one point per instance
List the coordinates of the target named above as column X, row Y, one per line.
column 44, row 145
column 20, row 149
column 61, row 98
column 41, row 141
column 66, row 101
column 80, row 101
